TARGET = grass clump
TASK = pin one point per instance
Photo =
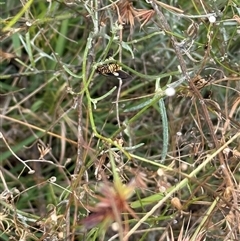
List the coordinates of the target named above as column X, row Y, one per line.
column 119, row 120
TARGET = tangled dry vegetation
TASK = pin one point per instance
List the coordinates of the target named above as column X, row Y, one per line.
column 120, row 120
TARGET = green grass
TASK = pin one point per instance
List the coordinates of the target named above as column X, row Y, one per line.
column 84, row 156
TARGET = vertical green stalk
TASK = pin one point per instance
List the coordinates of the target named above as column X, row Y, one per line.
column 29, row 49
column 61, row 40
column 28, row 42
column 163, row 113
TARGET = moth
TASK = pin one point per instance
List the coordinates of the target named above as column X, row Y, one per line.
column 113, row 70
